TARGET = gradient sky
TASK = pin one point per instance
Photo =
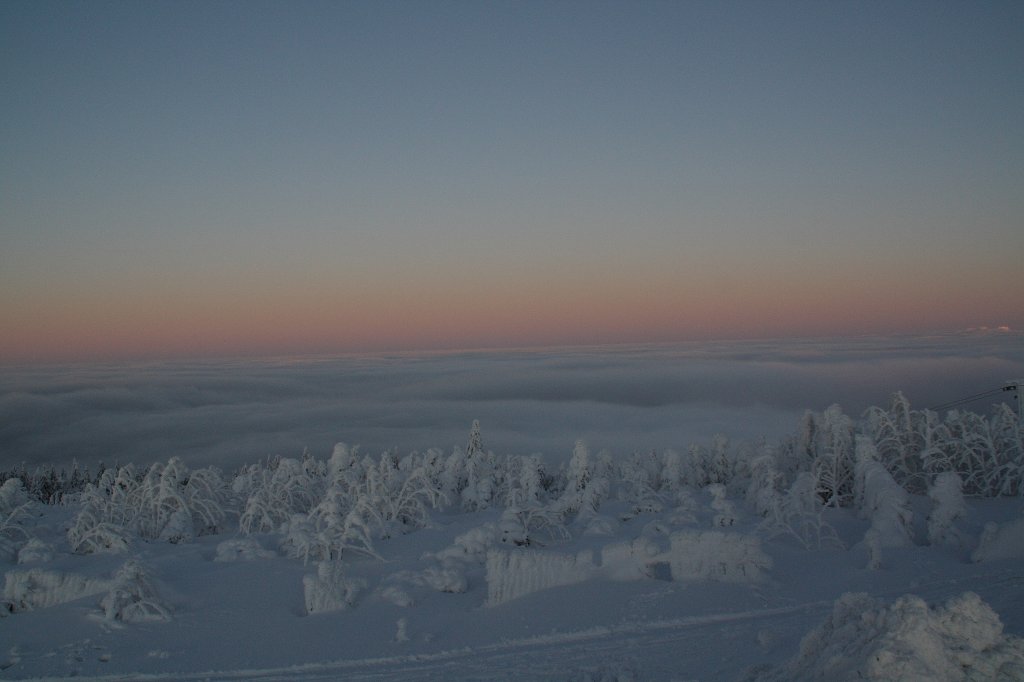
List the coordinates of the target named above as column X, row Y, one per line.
column 182, row 178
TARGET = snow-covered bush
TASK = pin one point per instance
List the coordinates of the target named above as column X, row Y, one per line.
column 330, row 589
column 35, row 551
column 948, row 507
column 717, row 555
column 532, row 525
column 881, row 499
column 471, row 546
column 640, row 480
column 133, row 597
column 88, row 535
column 168, row 502
column 276, row 493
column 800, row 514
column 516, row 573
column 14, row 506
column 864, row 639
column 12, row 496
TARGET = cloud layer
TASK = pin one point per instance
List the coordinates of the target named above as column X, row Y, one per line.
column 622, row 398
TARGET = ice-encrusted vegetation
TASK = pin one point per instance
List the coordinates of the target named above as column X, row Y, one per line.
column 716, row 514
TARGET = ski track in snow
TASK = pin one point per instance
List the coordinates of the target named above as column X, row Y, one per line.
column 590, row 650
column 661, row 649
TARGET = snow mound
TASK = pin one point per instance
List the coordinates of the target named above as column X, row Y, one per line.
column 35, row 551
column 515, row 574
column 241, row 549
column 717, row 555
column 1001, row 541
column 38, row 588
column 865, row 640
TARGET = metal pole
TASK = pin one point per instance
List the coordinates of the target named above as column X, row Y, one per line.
column 1016, row 387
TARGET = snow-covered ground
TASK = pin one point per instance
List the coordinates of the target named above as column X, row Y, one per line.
column 441, row 604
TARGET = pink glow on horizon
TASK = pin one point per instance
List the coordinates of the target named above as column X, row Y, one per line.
column 431, row 317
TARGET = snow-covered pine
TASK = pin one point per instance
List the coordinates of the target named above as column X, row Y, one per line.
column 763, row 489
column 640, row 478
column 882, row 500
column 585, row 489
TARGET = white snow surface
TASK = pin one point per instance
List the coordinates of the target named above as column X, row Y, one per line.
column 450, row 601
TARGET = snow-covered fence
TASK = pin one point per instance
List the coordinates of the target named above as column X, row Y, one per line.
column 514, row 574
column 717, row 555
column 39, row 588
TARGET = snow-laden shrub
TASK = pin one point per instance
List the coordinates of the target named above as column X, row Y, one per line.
column 89, row 535
column 639, row 484
column 864, row 639
column 35, row 551
column 1000, row 541
column 881, row 499
column 517, row 573
column 717, row 555
column 532, row 525
column 330, row 589
column 12, row 496
column 168, row 502
column 133, row 597
column 241, row 549
column 447, row 576
column 948, row 507
column 472, row 546
column 14, row 506
column 276, row 494
column 38, row 588
column 800, row 514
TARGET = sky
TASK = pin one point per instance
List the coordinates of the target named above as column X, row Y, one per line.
column 199, row 179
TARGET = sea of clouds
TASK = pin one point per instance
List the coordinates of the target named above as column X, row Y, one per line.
column 623, row 398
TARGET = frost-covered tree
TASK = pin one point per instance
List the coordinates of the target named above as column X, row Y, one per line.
column 881, row 499
column 584, row 489
column 801, row 515
column 476, row 442
column 834, row 457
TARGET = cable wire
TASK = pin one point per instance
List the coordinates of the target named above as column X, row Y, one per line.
column 973, row 398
